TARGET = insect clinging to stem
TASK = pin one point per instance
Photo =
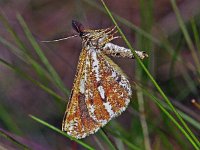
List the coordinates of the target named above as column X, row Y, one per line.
column 101, row 91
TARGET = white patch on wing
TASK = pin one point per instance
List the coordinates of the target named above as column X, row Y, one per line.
column 114, row 74
column 108, row 107
column 71, row 125
column 86, row 74
column 84, row 79
column 102, row 122
column 127, row 102
column 126, row 85
column 90, row 94
column 95, row 64
column 91, row 110
column 101, row 91
column 82, row 86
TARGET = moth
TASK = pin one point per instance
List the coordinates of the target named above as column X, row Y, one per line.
column 101, row 91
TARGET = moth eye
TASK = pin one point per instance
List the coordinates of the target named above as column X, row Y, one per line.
column 78, row 27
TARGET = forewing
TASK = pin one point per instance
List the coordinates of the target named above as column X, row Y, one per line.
column 77, row 121
column 110, row 89
column 101, row 91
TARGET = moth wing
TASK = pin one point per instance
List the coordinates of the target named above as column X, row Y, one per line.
column 109, row 89
column 101, row 91
column 76, row 119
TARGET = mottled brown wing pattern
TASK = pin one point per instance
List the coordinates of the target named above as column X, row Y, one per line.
column 111, row 89
column 77, row 118
column 101, row 92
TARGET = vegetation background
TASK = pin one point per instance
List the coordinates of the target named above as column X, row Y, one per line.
column 36, row 77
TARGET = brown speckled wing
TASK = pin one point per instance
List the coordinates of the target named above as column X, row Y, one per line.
column 101, row 91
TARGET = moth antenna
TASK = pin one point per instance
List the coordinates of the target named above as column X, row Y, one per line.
column 62, row 39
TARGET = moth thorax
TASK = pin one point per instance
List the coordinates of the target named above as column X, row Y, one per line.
column 95, row 43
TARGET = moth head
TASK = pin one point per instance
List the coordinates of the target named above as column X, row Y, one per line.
column 78, row 27
column 95, row 38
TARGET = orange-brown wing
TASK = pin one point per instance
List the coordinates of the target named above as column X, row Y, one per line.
column 109, row 90
column 77, row 119
column 101, row 92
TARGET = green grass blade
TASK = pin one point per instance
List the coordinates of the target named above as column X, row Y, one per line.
column 196, row 34
column 127, row 23
column 116, row 126
column 22, row 50
column 21, row 73
column 146, row 16
column 7, row 120
column 186, row 34
column 19, row 43
column 170, row 117
column 20, row 145
column 193, row 52
column 190, row 120
column 62, row 133
column 142, row 117
column 117, row 132
column 98, row 143
column 42, row 56
column 26, row 58
column 186, row 117
column 105, row 137
column 129, row 144
column 138, row 30
column 163, row 44
column 193, row 141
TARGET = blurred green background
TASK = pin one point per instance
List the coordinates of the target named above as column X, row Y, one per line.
column 36, row 77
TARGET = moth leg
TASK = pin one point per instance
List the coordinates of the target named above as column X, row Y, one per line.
column 111, row 30
column 118, row 51
column 109, row 36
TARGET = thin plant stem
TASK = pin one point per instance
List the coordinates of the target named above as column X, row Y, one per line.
column 138, row 30
column 109, row 141
column 186, row 35
column 20, row 72
column 42, row 56
column 61, row 132
column 194, row 140
column 196, row 35
column 143, row 118
column 98, row 143
column 193, row 52
column 19, row 144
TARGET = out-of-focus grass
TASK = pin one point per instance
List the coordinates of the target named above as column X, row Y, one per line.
column 191, row 137
column 144, row 126
column 146, row 15
column 196, row 35
column 186, row 35
column 61, row 132
column 10, row 138
column 7, row 119
column 193, row 52
column 39, row 84
column 55, row 77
